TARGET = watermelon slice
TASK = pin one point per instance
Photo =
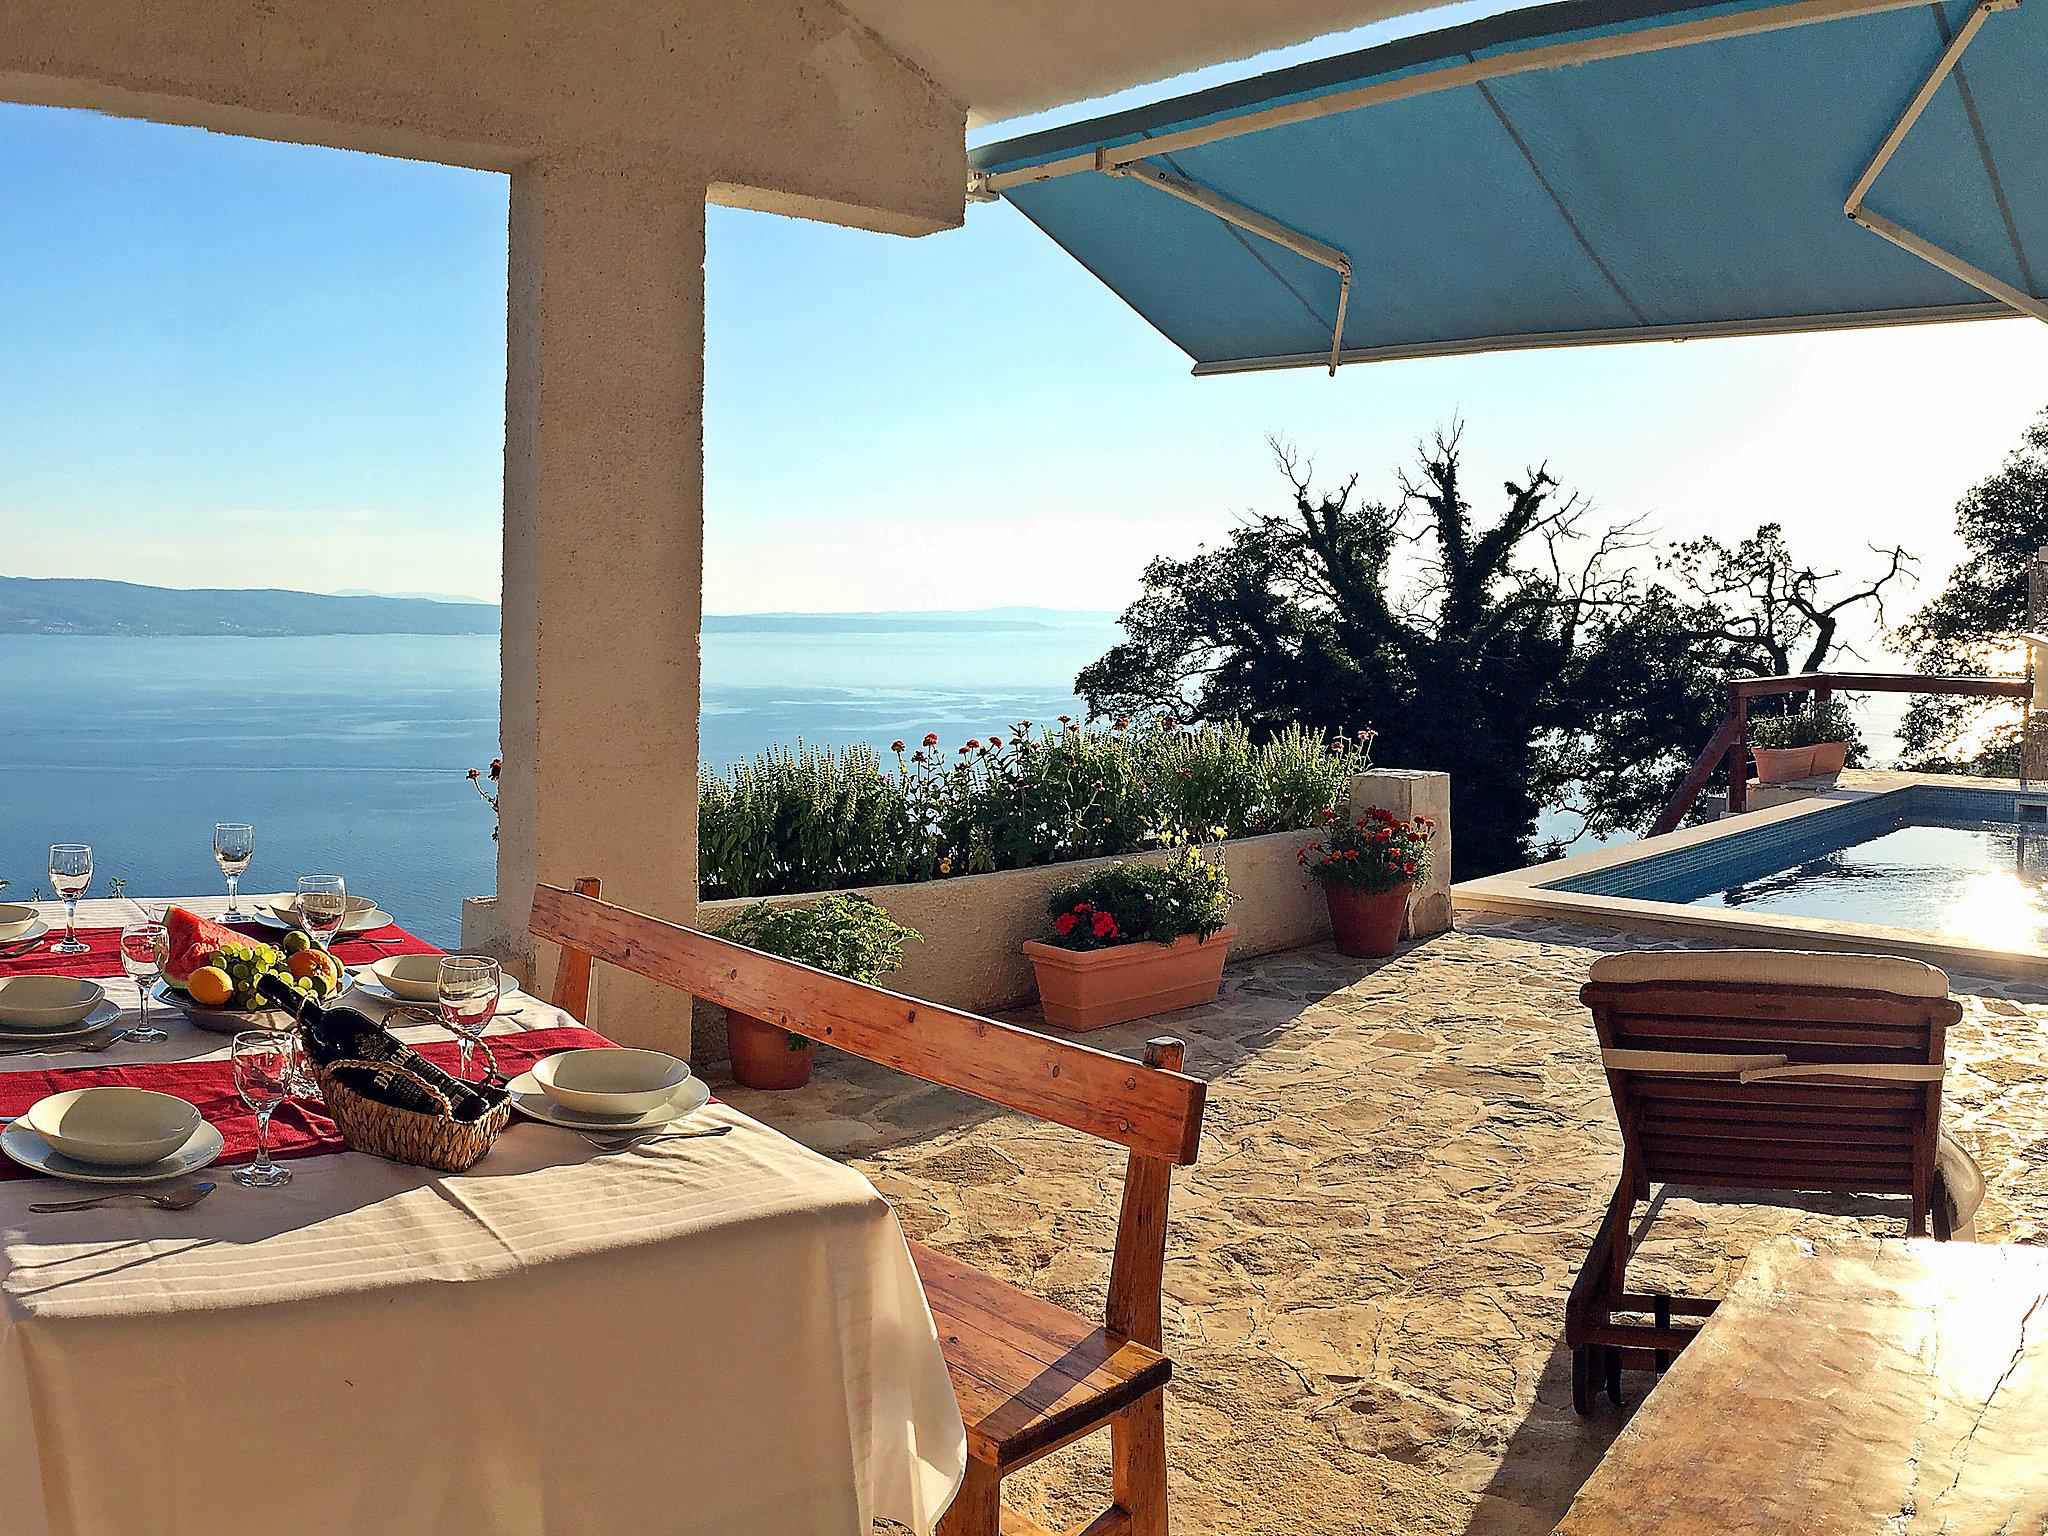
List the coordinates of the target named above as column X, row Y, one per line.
column 193, row 941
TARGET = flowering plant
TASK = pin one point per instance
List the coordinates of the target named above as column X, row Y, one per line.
column 1375, row 852
column 1141, row 903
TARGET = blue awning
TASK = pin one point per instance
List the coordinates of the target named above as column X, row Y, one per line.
column 1593, row 171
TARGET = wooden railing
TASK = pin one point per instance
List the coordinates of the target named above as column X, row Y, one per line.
column 1729, row 745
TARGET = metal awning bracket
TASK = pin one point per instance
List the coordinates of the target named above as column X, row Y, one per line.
column 1904, row 238
column 1249, row 220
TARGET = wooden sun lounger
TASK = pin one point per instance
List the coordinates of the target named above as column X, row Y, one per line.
column 1758, row 1070
column 1030, row 1376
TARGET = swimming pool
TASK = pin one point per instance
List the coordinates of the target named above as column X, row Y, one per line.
column 1947, row 871
column 1969, row 864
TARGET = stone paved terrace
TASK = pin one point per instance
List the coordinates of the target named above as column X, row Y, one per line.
column 1365, row 1287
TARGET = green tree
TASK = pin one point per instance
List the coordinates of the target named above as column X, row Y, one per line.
column 1527, row 653
column 2002, row 521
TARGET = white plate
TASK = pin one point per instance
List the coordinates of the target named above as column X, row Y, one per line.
column 31, row 1151
column 690, row 1096
column 271, row 915
column 365, row 981
column 91, row 1024
column 35, row 930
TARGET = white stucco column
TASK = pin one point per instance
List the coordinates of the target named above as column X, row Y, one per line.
column 604, row 540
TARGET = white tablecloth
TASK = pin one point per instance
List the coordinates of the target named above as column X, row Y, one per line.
column 721, row 1337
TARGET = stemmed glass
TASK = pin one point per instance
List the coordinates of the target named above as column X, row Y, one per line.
column 264, row 1069
column 143, row 947
column 323, row 907
column 70, row 874
column 234, row 845
column 468, row 989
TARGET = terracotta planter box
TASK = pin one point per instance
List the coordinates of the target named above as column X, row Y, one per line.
column 1783, row 765
column 1829, row 757
column 1087, row 989
column 1367, row 924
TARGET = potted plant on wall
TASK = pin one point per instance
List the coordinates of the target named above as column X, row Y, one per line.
column 1802, row 743
column 845, row 934
column 1367, row 867
column 1132, row 940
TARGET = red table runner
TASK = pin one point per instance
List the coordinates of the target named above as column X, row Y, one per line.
column 297, row 1129
column 103, row 950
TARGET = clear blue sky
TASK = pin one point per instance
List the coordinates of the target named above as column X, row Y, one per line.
column 236, row 363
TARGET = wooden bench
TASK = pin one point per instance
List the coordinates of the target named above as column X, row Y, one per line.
column 1030, row 1376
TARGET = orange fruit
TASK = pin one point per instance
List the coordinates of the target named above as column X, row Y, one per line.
column 210, row 986
column 307, row 961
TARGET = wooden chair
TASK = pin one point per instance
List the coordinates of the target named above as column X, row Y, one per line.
column 1760, row 1070
column 1030, row 1376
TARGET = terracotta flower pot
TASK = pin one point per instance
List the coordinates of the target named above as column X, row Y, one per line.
column 1087, row 989
column 1366, row 923
column 765, row 1055
column 1783, row 765
column 1829, row 757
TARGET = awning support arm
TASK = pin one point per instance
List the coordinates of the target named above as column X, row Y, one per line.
column 1897, row 233
column 1252, row 222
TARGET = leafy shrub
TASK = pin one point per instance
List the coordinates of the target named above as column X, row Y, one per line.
column 845, row 934
column 1140, row 903
column 1822, row 720
column 819, row 818
column 1375, row 852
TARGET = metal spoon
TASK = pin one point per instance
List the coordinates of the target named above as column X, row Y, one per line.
column 627, row 1143
column 176, row 1200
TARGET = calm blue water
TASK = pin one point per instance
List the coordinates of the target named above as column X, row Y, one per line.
column 1981, row 881
column 349, row 752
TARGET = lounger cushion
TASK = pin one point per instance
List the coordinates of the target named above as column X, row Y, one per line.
column 1773, row 968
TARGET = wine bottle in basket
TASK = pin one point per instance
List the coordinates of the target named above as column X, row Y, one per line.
column 340, row 1033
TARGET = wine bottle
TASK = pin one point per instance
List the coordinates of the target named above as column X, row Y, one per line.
column 342, row 1033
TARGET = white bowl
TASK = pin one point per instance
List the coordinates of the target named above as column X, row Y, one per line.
column 610, row 1080
column 412, row 977
column 113, row 1127
column 357, row 913
column 16, row 918
column 47, row 1002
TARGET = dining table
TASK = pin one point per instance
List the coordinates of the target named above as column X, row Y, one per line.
column 712, row 1336
column 1846, row 1387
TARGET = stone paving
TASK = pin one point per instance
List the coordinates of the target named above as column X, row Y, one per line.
column 1402, row 1165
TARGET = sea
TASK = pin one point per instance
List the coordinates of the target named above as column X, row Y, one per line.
column 349, row 752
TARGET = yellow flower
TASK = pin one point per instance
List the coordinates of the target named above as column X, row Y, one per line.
column 946, row 865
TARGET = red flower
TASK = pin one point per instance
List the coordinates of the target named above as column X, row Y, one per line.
column 995, row 741
column 931, row 738
column 973, row 744
column 895, row 746
column 1083, row 907
column 1104, row 926
column 1064, row 924
column 1350, row 853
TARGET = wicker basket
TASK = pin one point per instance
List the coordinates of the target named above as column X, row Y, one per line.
column 404, row 1135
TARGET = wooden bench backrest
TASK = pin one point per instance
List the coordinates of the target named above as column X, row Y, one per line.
column 1150, row 1110
column 1787, row 1133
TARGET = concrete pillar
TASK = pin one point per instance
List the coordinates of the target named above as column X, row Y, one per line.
column 1408, row 793
column 2034, row 728
column 604, row 537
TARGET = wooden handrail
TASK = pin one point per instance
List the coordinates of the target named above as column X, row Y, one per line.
column 1730, row 741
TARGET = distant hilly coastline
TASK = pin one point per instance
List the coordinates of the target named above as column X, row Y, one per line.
column 77, row 606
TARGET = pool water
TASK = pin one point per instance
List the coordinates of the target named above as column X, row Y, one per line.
column 1981, row 881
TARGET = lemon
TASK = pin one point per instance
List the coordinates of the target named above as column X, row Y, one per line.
column 210, row 985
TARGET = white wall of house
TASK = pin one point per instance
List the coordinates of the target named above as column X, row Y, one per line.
column 617, row 120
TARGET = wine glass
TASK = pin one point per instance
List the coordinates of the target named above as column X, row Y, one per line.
column 323, row 907
column 143, row 947
column 70, row 874
column 234, row 845
column 468, row 989
column 263, row 1077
